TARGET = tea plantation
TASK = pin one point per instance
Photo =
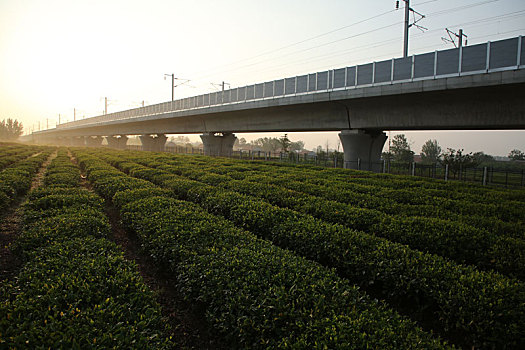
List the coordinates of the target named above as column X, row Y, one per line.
column 270, row 255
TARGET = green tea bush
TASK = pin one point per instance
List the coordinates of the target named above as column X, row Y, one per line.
column 17, row 178
column 257, row 294
column 31, row 217
column 59, row 228
column 455, row 240
column 75, row 291
column 461, row 296
column 64, row 179
column 80, row 293
column 55, row 201
column 107, row 187
column 47, row 191
column 121, row 198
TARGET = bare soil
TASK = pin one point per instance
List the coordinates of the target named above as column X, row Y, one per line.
column 10, row 224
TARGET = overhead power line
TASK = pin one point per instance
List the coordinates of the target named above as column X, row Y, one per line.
column 460, row 8
column 367, row 46
column 266, row 60
column 204, row 74
column 251, row 64
column 309, row 39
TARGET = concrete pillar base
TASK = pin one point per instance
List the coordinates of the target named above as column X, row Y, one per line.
column 153, row 144
column 95, row 141
column 363, row 149
column 117, row 142
column 78, row 141
column 220, row 146
column 61, row 141
column 122, row 141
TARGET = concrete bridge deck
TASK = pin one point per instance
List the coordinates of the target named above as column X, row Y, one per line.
column 475, row 87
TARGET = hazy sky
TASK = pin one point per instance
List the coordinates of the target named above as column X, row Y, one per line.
column 59, row 55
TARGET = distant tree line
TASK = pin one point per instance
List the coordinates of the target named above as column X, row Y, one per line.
column 432, row 153
column 271, row 144
column 516, row 154
column 399, row 150
column 10, row 129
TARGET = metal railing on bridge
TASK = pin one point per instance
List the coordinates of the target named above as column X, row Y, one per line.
column 508, row 54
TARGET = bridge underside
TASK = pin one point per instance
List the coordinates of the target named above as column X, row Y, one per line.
column 482, row 108
column 488, row 108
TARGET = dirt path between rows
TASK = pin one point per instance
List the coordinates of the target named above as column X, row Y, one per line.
column 187, row 322
column 11, row 225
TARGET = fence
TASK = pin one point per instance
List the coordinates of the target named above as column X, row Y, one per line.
column 482, row 175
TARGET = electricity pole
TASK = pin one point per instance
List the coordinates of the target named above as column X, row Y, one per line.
column 173, row 86
column 407, row 26
column 105, row 105
column 74, row 114
column 408, row 9
column 222, row 85
column 452, row 38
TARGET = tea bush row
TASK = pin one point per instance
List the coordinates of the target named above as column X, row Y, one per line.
column 13, row 154
column 367, row 197
column 75, row 290
column 452, row 189
column 382, row 202
column 16, row 179
column 457, row 241
column 364, row 180
column 256, row 294
column 407, row 201
column 485, row 307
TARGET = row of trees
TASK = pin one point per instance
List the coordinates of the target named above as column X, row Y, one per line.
column 400, row 151
column 432, row 153
column 10, row 129
column 271, row 144
column 516, row 154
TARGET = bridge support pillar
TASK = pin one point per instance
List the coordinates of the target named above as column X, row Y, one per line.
column 78, row 141
column 95, row 141
column 122, row 142
column 153, row 144
column 218, row 145
column 117, row 142
column 60, row 141
column 363, row 149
